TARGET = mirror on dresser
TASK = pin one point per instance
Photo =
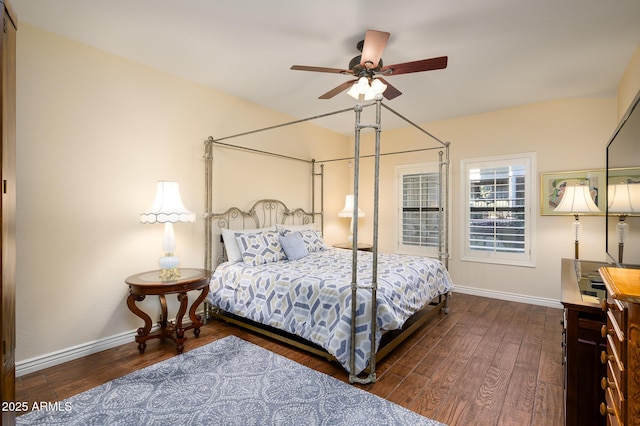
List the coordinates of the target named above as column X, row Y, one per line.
column 623, row 190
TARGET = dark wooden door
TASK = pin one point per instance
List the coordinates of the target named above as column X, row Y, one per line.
column 8, row 208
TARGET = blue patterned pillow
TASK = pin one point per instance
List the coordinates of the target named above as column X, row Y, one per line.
column 260, row 248
column 313, row 241
column 293, row 245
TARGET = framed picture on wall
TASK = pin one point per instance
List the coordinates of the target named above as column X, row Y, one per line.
column 629, row 175
column 552, row 186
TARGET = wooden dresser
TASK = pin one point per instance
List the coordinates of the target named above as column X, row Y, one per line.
column 622, row 357
column 582, row 294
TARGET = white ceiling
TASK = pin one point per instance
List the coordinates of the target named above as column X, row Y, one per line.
column 501, row 53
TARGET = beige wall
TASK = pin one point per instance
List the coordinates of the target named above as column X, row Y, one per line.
column 629, row 84
column 94, row 134
column 567, row 134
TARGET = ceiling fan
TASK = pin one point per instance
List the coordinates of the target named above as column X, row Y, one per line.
column 368, row 65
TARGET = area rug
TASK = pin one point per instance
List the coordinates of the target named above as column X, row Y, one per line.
column 227, row 382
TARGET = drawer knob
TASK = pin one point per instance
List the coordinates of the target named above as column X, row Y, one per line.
column 605, row 306
column 603, row 330
column 604, row 383
column 604, row 357
column 604, row 410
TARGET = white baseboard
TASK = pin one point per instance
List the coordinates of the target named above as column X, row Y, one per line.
column 58, row 357
column 512, row 297
column 54, row 358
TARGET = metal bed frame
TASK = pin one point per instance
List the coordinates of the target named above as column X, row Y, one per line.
column 269, row 212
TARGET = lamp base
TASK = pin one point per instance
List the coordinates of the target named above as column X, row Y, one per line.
column 620, row 252
column 169, row 267
column 169, row 274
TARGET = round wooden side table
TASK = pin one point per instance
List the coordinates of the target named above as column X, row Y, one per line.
column 149, row 283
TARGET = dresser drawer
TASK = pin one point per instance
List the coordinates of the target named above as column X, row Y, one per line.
column 615, row 348
column 611, row 410
column 613, row 381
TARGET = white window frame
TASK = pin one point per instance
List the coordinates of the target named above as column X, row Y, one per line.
column 401, row 171
column 527, row 258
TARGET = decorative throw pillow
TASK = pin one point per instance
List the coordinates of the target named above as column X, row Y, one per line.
column 260, row 248
column 282, row 229
column 234, row 254
column 313, row 241
column 293, row 245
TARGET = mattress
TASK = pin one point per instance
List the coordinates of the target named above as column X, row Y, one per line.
column 311, row 297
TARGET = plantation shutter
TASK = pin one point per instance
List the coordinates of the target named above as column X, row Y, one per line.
column 420, row 212
column 497, row 209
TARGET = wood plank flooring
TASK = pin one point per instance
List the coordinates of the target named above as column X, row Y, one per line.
column 487, row 362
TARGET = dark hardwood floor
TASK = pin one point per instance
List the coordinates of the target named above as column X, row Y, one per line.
column 487, row 362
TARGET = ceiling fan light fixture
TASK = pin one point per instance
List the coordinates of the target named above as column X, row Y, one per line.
column 378, row 86
column 362, row 89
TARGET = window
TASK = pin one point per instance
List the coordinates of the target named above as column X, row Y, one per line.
column 418, row 208
column 498, row 199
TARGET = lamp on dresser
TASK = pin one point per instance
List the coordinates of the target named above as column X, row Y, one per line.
column 624, row 199
column 167, row 208
column 577, row 199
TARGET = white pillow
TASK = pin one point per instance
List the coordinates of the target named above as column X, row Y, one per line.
column 234, row 255
column 307, row 227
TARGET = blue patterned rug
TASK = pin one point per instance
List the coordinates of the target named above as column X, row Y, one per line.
column 227, row 382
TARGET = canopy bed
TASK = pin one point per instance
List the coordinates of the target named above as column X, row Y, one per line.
column 276, row 276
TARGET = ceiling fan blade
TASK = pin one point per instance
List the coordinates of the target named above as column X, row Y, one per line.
column 331, row 93
column 415, row 66
column 321, row 69
column 374, row 44
column 390, row 92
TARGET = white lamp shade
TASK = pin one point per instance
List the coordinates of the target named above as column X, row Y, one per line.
column 167, row 206
column 577, row 199
column 347, row 211
column 624, row 198
column 365, row 89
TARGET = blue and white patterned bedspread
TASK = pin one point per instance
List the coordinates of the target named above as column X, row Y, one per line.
column 311, row 297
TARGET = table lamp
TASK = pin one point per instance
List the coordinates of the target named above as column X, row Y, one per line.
column 577, row 199
column 348, row 211
column 167, row 208
column 624, row 199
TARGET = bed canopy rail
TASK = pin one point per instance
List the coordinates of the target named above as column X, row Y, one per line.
column 231, row 213
column 443, row 197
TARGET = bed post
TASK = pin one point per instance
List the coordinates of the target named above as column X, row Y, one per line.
column 321, row 198
column 313, row 193
column 354, row 264
column 371, row 378
column 443, row 195
column 208, row 206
